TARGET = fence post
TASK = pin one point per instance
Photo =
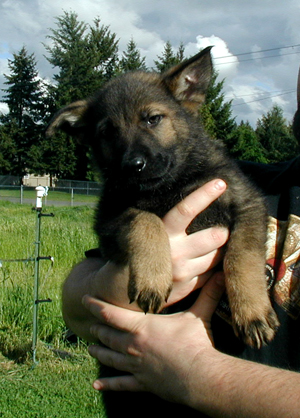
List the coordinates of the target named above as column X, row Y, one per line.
column 21, row 194
column 40, row 193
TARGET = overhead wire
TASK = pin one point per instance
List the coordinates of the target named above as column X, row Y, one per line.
column 260, row 51
column 263, row 98
column 255, row 58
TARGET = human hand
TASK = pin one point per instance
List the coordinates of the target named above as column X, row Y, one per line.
column 194, row 256
column 148, row 347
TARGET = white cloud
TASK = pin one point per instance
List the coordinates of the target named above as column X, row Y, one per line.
column 224, row 61
column 3, row 108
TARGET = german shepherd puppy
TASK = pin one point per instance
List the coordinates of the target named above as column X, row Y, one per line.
column 150, row 147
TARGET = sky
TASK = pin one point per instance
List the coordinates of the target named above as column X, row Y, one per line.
column 256, row 43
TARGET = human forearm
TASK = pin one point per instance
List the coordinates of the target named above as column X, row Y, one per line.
column 231, row 387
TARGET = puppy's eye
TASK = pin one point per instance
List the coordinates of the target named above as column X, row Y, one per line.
column 154, row 120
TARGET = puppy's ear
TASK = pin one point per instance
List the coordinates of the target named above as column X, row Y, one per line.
column 71, row 119
column 190, row 79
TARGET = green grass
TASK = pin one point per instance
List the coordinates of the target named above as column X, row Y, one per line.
column 54, row 388
column 60, row 384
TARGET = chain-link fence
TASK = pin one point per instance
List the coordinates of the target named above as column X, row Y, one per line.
column 64, row 192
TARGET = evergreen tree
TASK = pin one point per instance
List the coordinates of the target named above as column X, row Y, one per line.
column 103, row 52
column 245, row 144
column 216, row 114
column 276, row 136
column 8, row 150
column 22, row 127
column 169, row 58
column 83, row 55
column 132, row 59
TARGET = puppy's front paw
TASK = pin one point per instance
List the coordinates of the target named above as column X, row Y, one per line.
column 150, row 281
column 149, row 300
column 254, row 329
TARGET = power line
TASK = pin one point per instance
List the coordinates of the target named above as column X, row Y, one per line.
column 257, row 58
column 270, row 92
column 262, row 50
column 270, row 96
column 257, row 52
column 263, row 98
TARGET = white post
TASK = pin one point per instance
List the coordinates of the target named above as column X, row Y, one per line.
column 40, row 193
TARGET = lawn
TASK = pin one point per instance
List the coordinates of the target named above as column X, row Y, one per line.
column 59, row 385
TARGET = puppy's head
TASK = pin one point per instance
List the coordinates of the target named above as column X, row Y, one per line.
column 139, row 124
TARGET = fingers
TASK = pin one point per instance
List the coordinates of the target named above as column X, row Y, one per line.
column 209, row 298
column 199, row 243
column 197, row 253
column 108, row 356
column 119, row 383
column 114, row 316
column 179, row 218
column 110, row 337
column 205, row 241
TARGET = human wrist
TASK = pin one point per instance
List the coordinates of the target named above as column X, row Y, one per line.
column 206, row 384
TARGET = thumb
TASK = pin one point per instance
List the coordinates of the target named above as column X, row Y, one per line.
column 209, row 297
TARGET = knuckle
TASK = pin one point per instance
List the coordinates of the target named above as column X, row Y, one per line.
column 111, row 361
column 219, row 235
column 186, row 210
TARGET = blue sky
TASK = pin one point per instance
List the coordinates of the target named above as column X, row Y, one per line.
column 261, row 38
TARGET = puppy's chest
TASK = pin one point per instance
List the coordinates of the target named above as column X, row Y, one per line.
column 218, row 213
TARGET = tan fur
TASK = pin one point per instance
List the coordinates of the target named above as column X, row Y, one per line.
column 145, row 239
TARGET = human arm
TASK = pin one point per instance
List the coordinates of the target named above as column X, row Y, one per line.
column 188, row 370
column 193, row 258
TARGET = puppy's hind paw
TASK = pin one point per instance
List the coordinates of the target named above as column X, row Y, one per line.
column 259, row 331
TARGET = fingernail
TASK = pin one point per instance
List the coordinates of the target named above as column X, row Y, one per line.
column 97, row 385
column 220, row 184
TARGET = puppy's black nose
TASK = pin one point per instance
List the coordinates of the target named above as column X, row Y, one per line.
column 137, row 163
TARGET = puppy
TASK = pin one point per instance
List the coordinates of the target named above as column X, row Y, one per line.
column 151, row 149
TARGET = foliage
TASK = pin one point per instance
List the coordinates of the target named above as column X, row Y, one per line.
column 81, row 53
column 132, row 59
column 169, row 58
column 276, row 136
column 245, row 144
column 216, row 114
column 8, row 147
column 21, row 129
